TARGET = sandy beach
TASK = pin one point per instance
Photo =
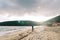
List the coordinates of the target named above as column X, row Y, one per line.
column 39, row 33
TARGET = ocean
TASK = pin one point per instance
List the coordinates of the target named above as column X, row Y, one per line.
column 7, row 29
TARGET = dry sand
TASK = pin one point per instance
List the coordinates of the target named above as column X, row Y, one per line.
column 40, row 33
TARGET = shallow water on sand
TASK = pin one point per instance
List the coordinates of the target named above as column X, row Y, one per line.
column 7, row 29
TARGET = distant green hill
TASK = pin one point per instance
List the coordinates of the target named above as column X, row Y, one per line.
column 19, row 23
column 55, row 19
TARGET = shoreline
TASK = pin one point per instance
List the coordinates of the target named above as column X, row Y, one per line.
column 2, row 33
column 6, row 32
column 40, row 33
column 16, row 34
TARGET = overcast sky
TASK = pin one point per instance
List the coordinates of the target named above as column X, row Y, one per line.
column 18, row 8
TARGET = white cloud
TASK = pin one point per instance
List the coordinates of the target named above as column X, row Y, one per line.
column 18, row 8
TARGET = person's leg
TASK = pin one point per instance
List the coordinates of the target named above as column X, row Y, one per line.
column 32, row 28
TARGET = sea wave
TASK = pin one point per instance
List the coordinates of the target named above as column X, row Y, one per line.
column 7, row 29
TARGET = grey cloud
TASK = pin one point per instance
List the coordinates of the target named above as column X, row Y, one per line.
column 26, row 3
column 51, row 4
column 6, row 3
column 19, row 7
